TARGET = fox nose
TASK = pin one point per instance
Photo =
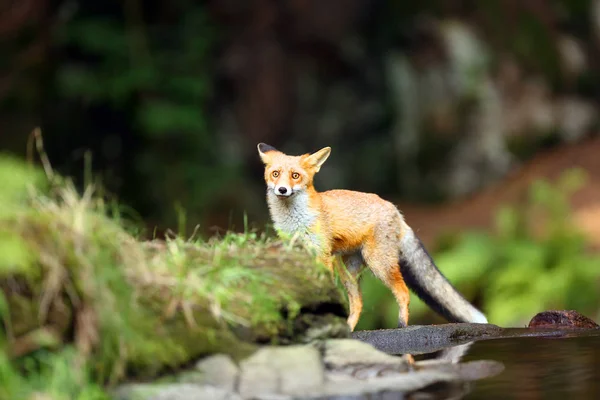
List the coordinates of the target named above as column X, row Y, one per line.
column 282, row 190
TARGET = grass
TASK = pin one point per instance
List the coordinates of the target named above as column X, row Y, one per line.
column 85, row 305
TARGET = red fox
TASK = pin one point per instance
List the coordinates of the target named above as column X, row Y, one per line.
column 362, row 228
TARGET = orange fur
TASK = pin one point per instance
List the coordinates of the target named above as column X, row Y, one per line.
column 360, row 227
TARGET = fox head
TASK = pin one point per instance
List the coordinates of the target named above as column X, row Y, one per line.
column 287, row 175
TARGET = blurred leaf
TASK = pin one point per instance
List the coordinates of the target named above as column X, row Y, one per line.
column 16, row 254
column 160, row 117
column 98, row 36
column 507, row 222
column 78, row 81
column 541, row 192
column 190, row 87
column 572, row 180
column 468, row 260
column 123, row 84
column 17, row 178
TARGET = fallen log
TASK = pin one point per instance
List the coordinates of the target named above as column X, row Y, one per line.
column 71, row 276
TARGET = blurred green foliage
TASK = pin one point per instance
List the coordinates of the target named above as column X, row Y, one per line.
column 59, row 376
column 171, row 79
column 17, row 180
column 536, row 260
column 49, row 376
column 149, row 76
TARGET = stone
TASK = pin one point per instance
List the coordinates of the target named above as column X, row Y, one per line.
column 172, row 391
column 355, row 368
column 288, row 370
column 217, row 370
column 341, row 352
column 348, row 357
column 562, row 319
column 466, row 371
column 401, row 382
column 420, row 339
column 331, row 368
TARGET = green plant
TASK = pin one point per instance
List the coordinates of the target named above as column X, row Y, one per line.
column 52, row 376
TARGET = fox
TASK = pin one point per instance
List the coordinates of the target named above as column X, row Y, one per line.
column 363, row 230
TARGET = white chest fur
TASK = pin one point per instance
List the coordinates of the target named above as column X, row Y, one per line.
column 291, row 215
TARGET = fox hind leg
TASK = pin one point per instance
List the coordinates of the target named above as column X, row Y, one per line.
column 398, row 287
column 381, row 256
column 349, row 277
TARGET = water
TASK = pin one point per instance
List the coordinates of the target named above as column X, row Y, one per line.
column 538, row 364
column 540, row 368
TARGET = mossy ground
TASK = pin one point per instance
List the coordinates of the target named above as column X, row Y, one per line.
column 84, row 304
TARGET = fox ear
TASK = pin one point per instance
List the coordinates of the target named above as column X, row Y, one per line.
column 316, row 159
column 263, row 150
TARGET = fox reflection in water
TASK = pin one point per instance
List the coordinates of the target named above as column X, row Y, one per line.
column 450, row 378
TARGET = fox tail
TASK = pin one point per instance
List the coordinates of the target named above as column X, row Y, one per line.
column 425, row 279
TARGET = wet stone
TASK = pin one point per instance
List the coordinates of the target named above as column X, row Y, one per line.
column 347, row 357
column 178, row 391
column 326, row 369
column 563, row 319
column 296, row 370
column 218, row 370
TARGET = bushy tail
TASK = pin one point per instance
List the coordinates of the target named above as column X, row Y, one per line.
column 425, row 279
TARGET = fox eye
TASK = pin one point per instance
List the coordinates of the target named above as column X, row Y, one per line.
column 275, row 174
column 295, row 175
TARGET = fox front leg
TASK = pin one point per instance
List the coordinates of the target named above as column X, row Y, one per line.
column 349, row 276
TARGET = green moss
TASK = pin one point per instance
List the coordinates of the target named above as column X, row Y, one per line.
column 52, row 376
column 18, row 179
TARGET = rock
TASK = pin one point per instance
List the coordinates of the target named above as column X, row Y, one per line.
column 575, row 118
column 340, row 352
column 358, row 359
column 562, row 319
column 296, row 370
column 467, row 371
column 134, row 391
column 354, row 367
column 330, row 368
column 419, row 339
column 340, row 385
column 218, row 370
column 350, row 354
column 174, row 391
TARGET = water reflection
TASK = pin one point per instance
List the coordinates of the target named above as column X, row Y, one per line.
column 541, row 368
column 518, row 364
column 457, row 381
